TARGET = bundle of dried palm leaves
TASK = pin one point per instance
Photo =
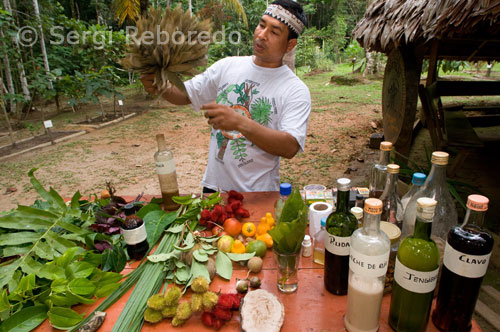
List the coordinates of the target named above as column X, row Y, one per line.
column 169, row 45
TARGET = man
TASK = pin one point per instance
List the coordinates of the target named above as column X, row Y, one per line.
column 261, row 107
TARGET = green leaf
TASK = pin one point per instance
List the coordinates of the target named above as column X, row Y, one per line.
column 200, row 256
column 52, row 196
column 184, row 200
column 60, row 244
column 81, row 286
column 113, row 260
column 63, row 318
column 8, row 239
column 68, row 256
column 148, row 208
column 62, row 300
column 199, row 269
column 26, row 319
column 176, row 229
column 29, row 265
column 182, row 275
column 59, row 285
column 52, row 271
column 240, row 257
column 80, row 269
column 163, row 257
column 223, row 265
column 16, row 251
column 4, row 301
column 43, row 250
column 106, row 290
column 156, row 222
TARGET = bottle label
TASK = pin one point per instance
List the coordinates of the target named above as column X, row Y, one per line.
column 415, row 281
column 136, row 235
column 165, row 167
column 338, row 245
column 465, row 265
column 369, row 266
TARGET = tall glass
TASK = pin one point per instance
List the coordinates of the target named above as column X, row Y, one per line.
column 288, row 268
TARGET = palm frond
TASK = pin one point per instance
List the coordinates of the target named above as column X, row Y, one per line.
column 127, row 9
column 237, row 7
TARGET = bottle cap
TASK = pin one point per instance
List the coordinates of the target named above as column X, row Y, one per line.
column 315, row 187
column 385, row 146
column 373, row 206
column 418, row 179
column 285, row 189
column 343, row 184
column 477, row 202
column 307, row 240
column 426, row 207
column 323, row 222
column 129, row 209
column 440, row 158
column 393, row 169
column 392, row 231
column 357, row 212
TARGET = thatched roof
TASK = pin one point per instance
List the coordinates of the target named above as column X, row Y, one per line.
column 390, row 23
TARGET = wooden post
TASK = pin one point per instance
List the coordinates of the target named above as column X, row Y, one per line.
column 432, row 70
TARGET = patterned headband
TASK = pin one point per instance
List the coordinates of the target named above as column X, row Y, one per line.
column 280, row 13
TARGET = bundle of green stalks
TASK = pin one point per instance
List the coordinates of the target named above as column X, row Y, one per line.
column 170, row 45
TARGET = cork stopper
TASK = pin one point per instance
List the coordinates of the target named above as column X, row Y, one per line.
column 392, row 169
column 386, row 146
column 477, row 202
column 426, row 207
column 343, row 184
column 373, row 206
column 357, row 212
column 440, row 158
column 392, row 231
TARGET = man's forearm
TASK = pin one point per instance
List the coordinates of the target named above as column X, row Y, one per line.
column 175, row 96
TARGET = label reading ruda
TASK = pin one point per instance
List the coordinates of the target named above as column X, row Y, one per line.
column 165, row 167
column 134, row 236
column 415, row 281
column 338, row 245
column 465, row 265
column 369, row 266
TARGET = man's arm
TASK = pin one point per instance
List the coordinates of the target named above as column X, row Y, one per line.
column 172, row 94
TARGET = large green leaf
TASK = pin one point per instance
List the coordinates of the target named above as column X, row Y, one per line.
column 25, row 320
column 63, row 318
column 80, row 269
column 52, row 196
column 113, row 259
column 156, row 222
column 223, row 265
column 21, row 237
column 82, row 286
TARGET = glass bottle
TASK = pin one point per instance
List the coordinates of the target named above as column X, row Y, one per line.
column 394, row 234
column 435, row 187
column 392, row 210
column 358, row 213
column 466, row 257
column 285, row 191
column 165, row 168
column 416, row 274
column 367, row 267
column 378, row 174
column 417, row 180
column 134, row 233
column 319, row 244
column 360, row 201
column 339, row 225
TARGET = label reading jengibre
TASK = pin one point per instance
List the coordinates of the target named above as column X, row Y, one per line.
column 369, row 266
column 165, row 167
column 338, row 245
column 469, row 266
column 415, row 281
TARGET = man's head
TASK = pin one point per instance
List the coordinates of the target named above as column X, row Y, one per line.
column 291, row 14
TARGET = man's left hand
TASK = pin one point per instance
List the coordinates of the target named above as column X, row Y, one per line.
column 222, row 117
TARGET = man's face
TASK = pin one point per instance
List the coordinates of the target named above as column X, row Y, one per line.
column 270, row 39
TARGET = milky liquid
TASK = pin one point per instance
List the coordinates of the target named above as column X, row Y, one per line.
column 364, row 298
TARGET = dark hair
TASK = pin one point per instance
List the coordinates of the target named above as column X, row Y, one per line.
column 297, row 10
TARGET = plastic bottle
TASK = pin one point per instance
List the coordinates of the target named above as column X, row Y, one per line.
column 339, row 225
column 466, row 257
column 392, row 210
column 416, row 274
column 285, row 191
column 307, row 249
column 134, row 233
column 165, row 168
column 319, row 244
column 378, row 174
column 367, row 267
column 436, row 187
column 417, row 180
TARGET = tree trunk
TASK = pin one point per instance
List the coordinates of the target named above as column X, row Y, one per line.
column 371, row 65
column 190, row 4
column 42, row 43
column 72, row 5
column 8, row 78
column 144, row 6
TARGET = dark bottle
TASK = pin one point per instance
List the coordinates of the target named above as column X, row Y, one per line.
column 134, row 233
column 416, row 273
column 466, row 257
column 339, row 225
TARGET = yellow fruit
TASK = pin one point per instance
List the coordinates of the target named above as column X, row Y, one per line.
column 249, row 229
column 105, row 194
column 238, row 247
column 257, row 246
column 270, row 220
column 225, row 243
column 263, row 226
column 267, row 239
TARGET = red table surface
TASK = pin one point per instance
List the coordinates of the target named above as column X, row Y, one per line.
column 311, row 308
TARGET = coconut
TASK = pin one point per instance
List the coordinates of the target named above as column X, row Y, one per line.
column 261, row 311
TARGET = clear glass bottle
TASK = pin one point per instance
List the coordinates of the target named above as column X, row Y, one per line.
column 416, row 274
column 367, row 267
column 134, row 233
column 319, row 244
column 417, row 180
column 165, row 168
column 285, row 191
column 392, row 210
column 466, row 257
column 339, row 225
column 435, row 187
column 378, row 174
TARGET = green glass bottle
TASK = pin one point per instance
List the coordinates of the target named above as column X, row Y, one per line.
column 339, row 225
column 416, row 273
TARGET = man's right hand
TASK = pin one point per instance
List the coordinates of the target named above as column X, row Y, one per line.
column 147, row 82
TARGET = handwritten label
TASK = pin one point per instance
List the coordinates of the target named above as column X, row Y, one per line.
column 469, row 266
column 47, row 124
column 369, row 266
column 338, row 245
column 165, row 167
column 134, row 236
column 415, row 281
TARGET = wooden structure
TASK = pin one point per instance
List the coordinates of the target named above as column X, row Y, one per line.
column 409, row 31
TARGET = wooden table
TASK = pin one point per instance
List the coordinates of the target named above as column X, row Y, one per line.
column 311, row 308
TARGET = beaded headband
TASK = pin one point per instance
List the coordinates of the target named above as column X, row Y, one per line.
column 280, row 13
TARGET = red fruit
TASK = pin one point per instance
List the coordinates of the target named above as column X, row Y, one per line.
column 218, row 323
column 235, row 194
column 235, row 205
column 216, row 230
column 207, row 318
column 229, row 301
column 222, row 313
column 230, row 200
column 202, row 222
column 242, row 213
column 228, row 208
column 205, row 214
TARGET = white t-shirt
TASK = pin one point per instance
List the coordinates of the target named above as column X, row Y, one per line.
column 274, row 97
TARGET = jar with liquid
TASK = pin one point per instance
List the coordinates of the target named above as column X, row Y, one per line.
column 165, row 168
column 319, row 244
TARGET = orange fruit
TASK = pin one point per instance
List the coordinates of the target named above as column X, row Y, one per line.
column 217, row 230
column 263, row 226
column 105, row 194
column 232, row 226
column 267, row 239
column 249, row 229
column 238, row 247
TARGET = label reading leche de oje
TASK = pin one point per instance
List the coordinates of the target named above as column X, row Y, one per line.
column 165, row 167
column 415, row 281
column 338, row 245
column 469, row 266
column 368, row 266
column 134, row 236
